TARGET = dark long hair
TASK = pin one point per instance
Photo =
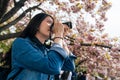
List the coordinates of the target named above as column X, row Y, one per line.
column 33, row 25
column 30, row 32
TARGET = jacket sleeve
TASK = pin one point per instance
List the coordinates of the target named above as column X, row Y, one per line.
column 69, row 64
column 29, row 57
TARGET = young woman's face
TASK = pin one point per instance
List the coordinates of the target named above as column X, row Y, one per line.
column 44, row 27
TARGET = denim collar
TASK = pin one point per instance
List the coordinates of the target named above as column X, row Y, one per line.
column 37, row 43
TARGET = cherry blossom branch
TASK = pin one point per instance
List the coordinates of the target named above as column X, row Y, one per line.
column 100, row 45
column 90, row 44
column 19, row 18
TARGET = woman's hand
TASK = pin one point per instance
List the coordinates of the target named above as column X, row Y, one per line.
column 58, row 31
column 66, row 47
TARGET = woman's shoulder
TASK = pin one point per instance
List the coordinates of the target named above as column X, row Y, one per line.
column 21, row 41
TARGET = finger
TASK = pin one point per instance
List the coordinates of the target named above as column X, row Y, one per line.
column 56, row 20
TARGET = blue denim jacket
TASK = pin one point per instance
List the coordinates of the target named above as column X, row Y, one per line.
column 37, row 62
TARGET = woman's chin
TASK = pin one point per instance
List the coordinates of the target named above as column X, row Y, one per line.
column 47, row 36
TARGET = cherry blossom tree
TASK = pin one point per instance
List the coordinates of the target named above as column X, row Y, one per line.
column 96, row 52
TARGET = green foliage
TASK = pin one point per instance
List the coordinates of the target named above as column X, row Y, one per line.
column 81, row 68
column 5, row 45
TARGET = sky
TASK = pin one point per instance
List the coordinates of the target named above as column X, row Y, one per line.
column 112, row 26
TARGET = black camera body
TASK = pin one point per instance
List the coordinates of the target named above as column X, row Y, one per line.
column 69, row 24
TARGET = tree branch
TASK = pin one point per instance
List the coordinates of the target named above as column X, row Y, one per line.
column 18, row 18
column 81, row 61
column 12, row 11
column 8, row 36
column 14, row 2
column 99, row 45
column 88, row 44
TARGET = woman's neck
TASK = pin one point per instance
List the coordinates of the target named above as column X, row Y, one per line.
column 40, row 38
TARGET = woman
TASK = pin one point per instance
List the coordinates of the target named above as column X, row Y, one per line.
column 30, row 54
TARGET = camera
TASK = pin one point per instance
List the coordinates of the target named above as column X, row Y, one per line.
column 48, row 42
column 69, row 24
